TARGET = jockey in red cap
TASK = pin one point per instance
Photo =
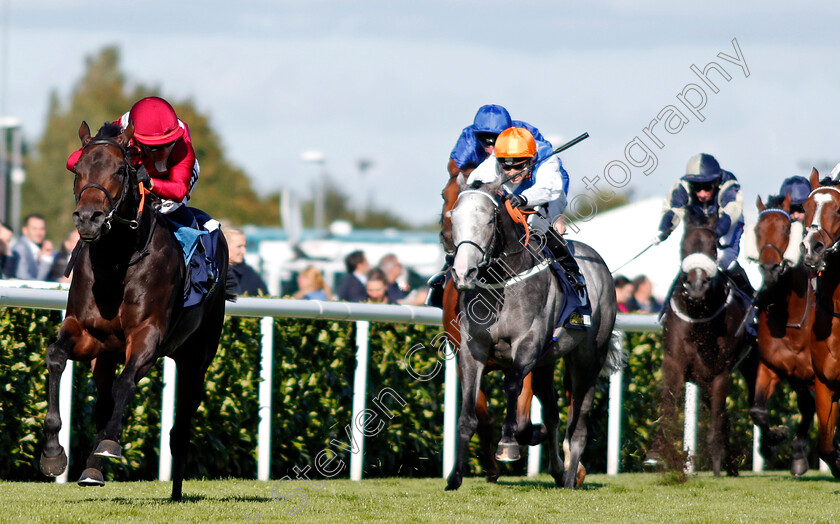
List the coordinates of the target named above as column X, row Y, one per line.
column 167, row 156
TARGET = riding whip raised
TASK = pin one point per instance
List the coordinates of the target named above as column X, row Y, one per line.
column 642, row 252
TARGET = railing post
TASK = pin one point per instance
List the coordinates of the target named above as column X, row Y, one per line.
column 167, row 418
column 758, row 460
column 265, row 389
column 357, row 459
column 450, row 410
column 614, row 423
column 690, row 432
column 535, row 452
column 65, row 410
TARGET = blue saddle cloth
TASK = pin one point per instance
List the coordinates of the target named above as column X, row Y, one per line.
column 199, row 247
column 573, row 302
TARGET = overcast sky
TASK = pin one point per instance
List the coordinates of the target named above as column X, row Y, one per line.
column 397, row 81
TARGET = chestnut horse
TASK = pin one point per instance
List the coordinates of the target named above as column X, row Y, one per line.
column 819, row 247
column 486, row 423
column 702, row 344
column 124, row 306
column 785, row 303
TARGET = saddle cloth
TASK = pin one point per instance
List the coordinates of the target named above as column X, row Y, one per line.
column 198, row 235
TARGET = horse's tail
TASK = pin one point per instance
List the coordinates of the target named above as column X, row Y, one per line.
column 616, row 355
column 230, row 286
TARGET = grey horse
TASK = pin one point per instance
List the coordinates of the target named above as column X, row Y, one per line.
column 510, row 301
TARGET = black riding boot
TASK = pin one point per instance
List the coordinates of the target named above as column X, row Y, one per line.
column 739, row 277
column 559, row 250
column 436, row 284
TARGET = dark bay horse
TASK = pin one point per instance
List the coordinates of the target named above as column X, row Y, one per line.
column 486, row 423
column 785, row 303
column 702, row 344
column 124, row 307
column 819, row 247
column 511, row 321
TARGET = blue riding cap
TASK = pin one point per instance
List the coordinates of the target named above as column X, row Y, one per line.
column 702, row 168
column 798, row 187
column 491, row 119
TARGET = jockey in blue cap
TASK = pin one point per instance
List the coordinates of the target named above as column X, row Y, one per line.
column 707, row 188
column 477, row 141
column 798, row 187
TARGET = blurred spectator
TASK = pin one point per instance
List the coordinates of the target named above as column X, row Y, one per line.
column 352, row 288
column 63, row 257
column 311, row 285
column 248, row 281
column 8, row 260
column 623, row 293
column 34, row 252
column 642, row 299
column 377, row 287
column 392, row 269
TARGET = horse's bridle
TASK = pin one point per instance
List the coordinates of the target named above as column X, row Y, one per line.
column 126, row 170
column 818, row 228
column 785, row 263
column 486, row 254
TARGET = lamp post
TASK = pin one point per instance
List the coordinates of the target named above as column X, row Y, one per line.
column 318, row 158
column 364, row 164
column 10, row 207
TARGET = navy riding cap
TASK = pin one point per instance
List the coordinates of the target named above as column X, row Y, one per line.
column 491, row 119
column 798, row 187
column 702, row 168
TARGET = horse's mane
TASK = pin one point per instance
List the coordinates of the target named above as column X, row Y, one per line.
column 109, row 130
column 775, row 201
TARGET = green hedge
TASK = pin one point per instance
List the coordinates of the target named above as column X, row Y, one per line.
column 314, row 363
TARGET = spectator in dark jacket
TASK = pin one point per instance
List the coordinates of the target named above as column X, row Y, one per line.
column 352, row 288
column 61, row 259
column 8, row 260
column 248, row 281
column 392, row 269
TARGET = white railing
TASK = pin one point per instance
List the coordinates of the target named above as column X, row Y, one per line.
column 362, row 314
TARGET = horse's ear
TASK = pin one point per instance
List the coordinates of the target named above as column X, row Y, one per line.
column 84, row 133
column 461, row 182
column 815, row 178
column 786, row 203
column 125, row 137
column 493, row 187
column 760, row 204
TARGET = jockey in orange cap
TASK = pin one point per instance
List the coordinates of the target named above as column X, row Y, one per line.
column 536, row 184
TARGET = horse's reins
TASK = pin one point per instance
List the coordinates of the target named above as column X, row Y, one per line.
column 127, row 169
column 691, row 320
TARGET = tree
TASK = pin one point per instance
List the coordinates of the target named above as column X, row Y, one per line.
column 102, row 95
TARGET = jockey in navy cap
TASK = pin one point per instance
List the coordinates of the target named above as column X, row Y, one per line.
column 707, row 188
column 798, row 187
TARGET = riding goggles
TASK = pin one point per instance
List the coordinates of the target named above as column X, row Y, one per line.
column 486, row 139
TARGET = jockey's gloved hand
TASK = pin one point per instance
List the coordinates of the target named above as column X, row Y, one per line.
column 658, row 239
column 517, row 201
column 143, row 177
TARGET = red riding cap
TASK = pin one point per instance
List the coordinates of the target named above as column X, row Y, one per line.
column 155, row 122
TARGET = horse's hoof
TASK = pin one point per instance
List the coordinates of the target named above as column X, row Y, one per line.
column 454, row 482
column 91, row 477
column 54, row 466
column 492, row 478
column 799, row 467
column 507, row 452
column 580, row 476
column 653, row 463
column 539, row 434
column 108, row 449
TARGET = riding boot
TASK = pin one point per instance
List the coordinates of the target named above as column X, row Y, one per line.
column 560, row 251
column 437, row 282
column 580, row 318
column 739, row 277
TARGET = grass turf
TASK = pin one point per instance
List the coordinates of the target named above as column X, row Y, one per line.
column 765, row 497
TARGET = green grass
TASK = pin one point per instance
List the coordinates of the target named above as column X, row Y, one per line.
column 766, row 497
